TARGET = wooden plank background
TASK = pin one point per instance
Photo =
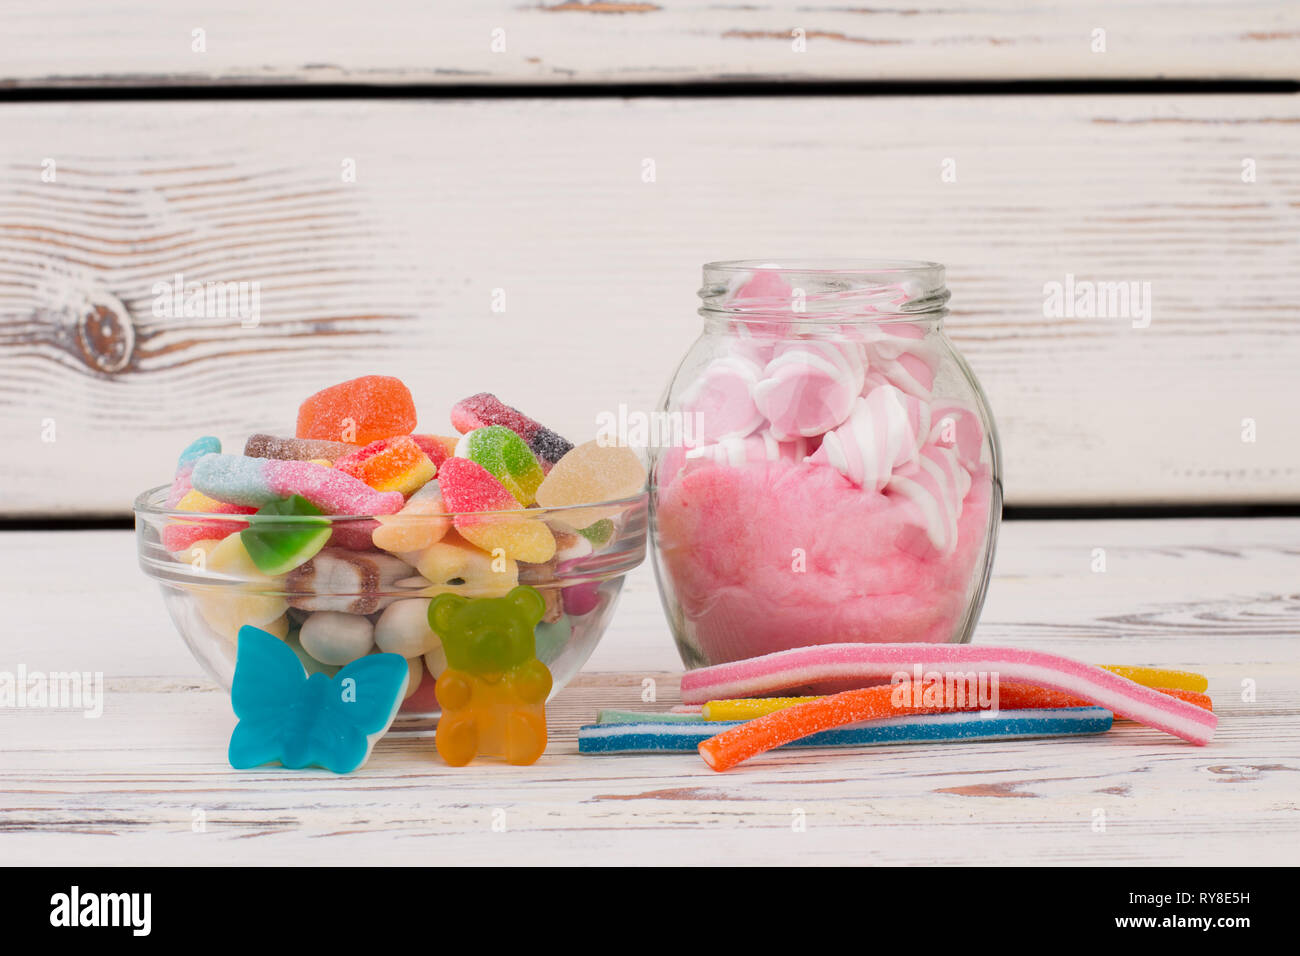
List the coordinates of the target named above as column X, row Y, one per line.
column 84, row 44
column 548, row 200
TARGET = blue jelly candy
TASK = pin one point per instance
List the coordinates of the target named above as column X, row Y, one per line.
column 315, row 721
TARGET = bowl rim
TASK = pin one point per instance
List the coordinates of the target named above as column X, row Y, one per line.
column 143, row 505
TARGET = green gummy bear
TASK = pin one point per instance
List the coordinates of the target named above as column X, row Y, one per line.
column 507, row 457
column 488, row 636
column 285, row 534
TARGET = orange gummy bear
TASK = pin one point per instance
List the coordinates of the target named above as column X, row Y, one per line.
column 358, row 411
column 493, row 692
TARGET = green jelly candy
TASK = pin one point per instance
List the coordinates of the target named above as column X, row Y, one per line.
column 599, row 533
column 507, row 457
column 285, row 534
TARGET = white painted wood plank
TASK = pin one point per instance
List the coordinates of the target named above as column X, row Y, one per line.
column 546, row 201
column 1215, row 596
column 659, row 41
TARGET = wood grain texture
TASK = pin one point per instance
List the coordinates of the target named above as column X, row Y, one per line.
column 84, row 44
column 1213, row 596
column 546, row 204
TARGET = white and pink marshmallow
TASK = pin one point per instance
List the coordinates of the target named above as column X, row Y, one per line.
column 884, row 431
column 809, row 387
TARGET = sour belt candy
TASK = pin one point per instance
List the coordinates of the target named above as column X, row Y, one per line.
column 678, row 736
column 259, row 481
column 1016, row 696
column 866, row 663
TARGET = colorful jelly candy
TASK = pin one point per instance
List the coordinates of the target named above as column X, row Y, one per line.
column 260, row 481
column 678, row 733
column 359, row 411
column 207, row 445
column 285, row 534
column 505, row 456
column 454, row 562
column 179, row 535
column 253, row 601
column 483, row 409
column 300, row 720
column 438, row 447
column 493, row 692
column 389, row 464
column 422, row 522
column 468, row 488
column 590, row 473
column 295, row 449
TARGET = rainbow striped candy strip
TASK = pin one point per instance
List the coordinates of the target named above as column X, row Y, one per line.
column 655, row 735
column 256, row 482
column 877, row 663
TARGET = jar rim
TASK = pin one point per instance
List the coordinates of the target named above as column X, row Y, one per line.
column 831, row 290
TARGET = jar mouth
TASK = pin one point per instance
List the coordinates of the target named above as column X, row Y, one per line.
column 822, row 290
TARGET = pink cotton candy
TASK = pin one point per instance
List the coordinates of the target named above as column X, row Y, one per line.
column 777, row 555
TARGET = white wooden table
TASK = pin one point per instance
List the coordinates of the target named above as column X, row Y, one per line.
column 1217, row 596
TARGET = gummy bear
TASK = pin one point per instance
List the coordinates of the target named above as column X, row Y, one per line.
column 493, row 692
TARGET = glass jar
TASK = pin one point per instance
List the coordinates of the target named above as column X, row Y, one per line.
column 834, row 472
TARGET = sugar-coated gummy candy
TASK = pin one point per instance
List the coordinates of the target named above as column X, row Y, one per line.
column 389, row 464
column 192, row 452
column 494, row 689
column 468, row 488
column 358, row 411
column 404, row 629
column 599, row 534
column 259, row 481
column 682, row 733
column 295, row 449
column 804, row 666
column 591, row 473
column 438, row 447
column 341, row 580
column 422, row 522
column 454, row 562
column 505, row 456
column 333, row 637
column 485, row 409
column 178, row 535
column 285, row 534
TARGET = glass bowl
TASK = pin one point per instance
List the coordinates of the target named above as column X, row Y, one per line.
column 210, row 591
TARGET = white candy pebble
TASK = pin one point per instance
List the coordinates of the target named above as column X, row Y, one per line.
column 404, row 629
column 333, row 637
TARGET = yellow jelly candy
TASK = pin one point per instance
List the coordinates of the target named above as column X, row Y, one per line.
column 591, row 472
column 228, row 607
column 455, row 562
column 420, row 523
